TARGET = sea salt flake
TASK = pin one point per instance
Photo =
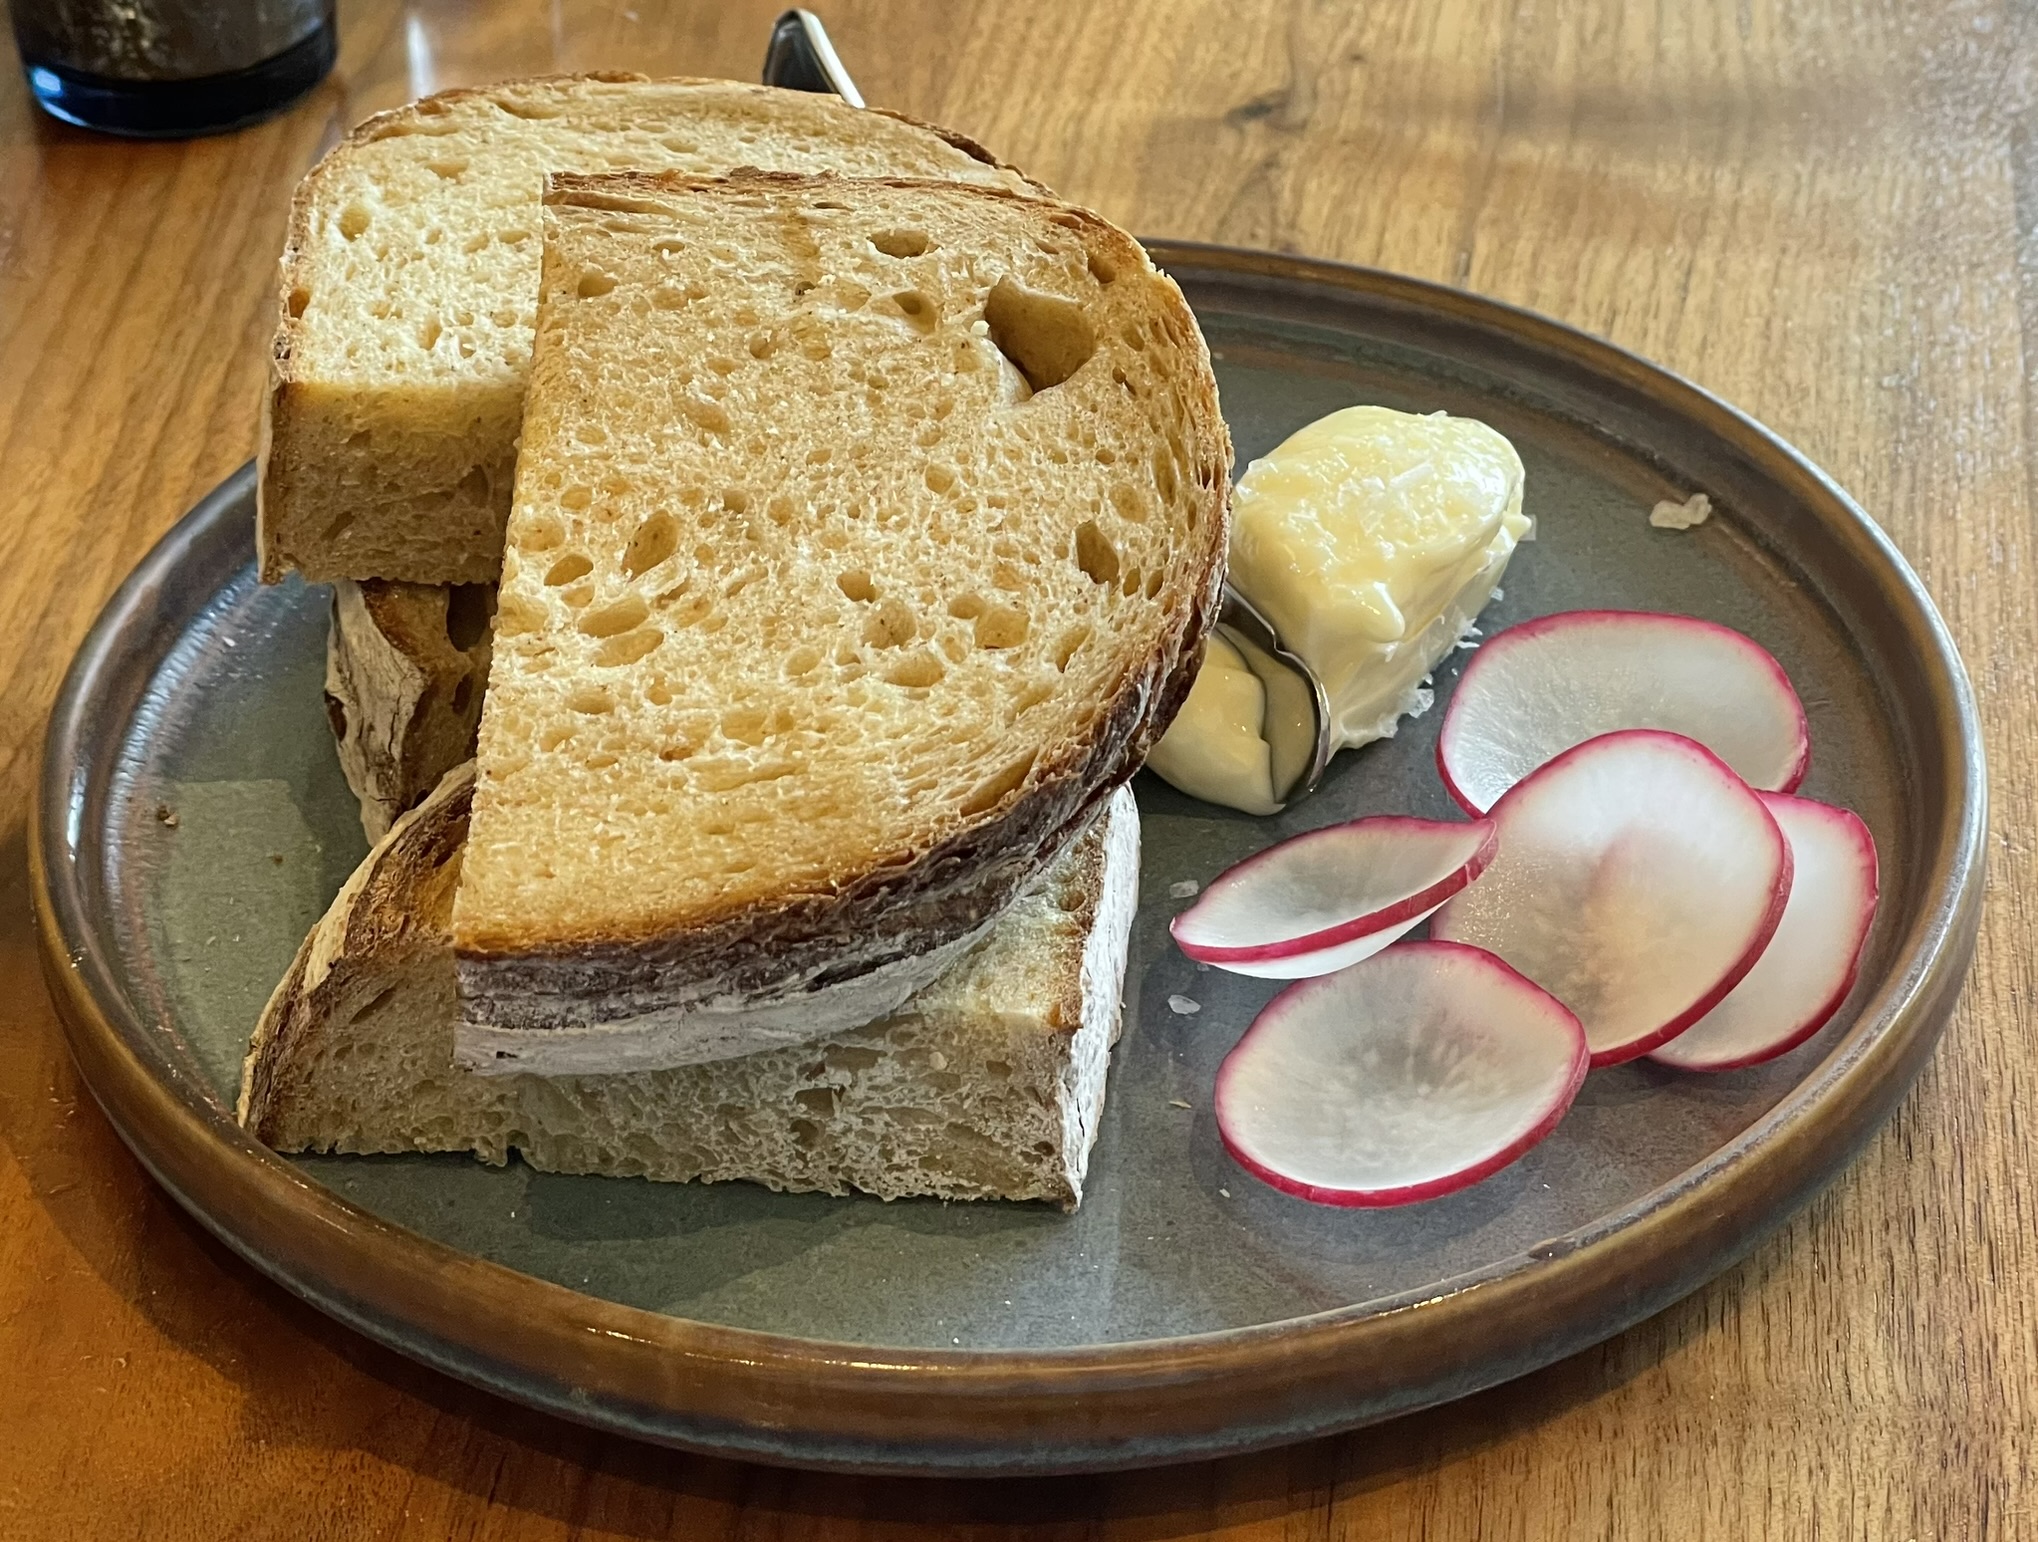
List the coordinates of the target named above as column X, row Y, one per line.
column 1183, row 890
column 1695, row 510
column 1182, row 1006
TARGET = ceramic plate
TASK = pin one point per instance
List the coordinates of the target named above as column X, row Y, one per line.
column 194, row 823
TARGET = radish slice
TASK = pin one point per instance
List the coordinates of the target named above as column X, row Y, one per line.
column 1420, row 1071
column 1808, row 968
column 1537, row 689
column 1637, row 881
column 1328, row 898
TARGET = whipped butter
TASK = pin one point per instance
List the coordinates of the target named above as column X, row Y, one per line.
column 1371, row 539
column 1216, row 749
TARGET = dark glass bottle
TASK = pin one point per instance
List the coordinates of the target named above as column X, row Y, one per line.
column 170, row 69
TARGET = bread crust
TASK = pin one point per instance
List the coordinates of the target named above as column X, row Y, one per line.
column 348, row 1055
column 520, row 977
column 406, row 665
column 279, row 465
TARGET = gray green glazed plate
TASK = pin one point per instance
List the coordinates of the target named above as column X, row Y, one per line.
column 193, row 823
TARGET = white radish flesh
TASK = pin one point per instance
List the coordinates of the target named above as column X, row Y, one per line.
column 1327, row 898
column 1424, row 1069
column 1637, row 880
column 1537, row 689
column 1808, row 968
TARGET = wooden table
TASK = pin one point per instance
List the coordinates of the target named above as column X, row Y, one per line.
column 1825, row 210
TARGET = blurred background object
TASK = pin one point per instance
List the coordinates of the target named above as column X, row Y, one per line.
column 170, row 69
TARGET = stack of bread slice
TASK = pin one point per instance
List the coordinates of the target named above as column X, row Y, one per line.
column 867, row 521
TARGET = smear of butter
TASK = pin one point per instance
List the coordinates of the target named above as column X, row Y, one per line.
column 1371, row 539
column 1214, row 750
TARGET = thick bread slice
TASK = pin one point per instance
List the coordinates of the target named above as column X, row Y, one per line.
column 406, row 667
column 409, row 285
column 865, row 535
column 989, row 1084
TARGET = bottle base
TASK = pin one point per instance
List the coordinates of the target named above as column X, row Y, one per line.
column 183, row 109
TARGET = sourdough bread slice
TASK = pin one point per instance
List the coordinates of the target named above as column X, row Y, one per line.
column 865, row 535
column 988, row 1085
column 406, row 667
column 409, row 284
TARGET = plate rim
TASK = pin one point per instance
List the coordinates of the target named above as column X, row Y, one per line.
column 811, row 1402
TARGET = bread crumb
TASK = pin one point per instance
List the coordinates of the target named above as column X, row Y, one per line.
column 1184, row 890
column 1182, row 1006
column 1695, row 510
column 167, row 815
column 1225, row 1192
column 1177, row 1103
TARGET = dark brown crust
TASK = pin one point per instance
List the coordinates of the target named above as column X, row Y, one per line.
column 278, row 398
column 939, row 894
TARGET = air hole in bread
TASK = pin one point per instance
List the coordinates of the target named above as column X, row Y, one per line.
column 1127, row 501
column 535, row 112
column 594, row 283
column 1002, row 626
column 300, row 298
column 762, row 346
column 966, row 607
column 801, row 662
column 567, row 569
column 429, row 333
column 336, row 715
column 467, row 611
column 539, row 532
column 918, row 669
column 857, row 586
column 591, row 700
column 656, row 540
column 463, row 693
column 337, row 527
column 1047, row 338
column 902, row 243
column 940, row 479
column 1066, row 649
column 736, row 500
column 996, row 787
column 1095, row 554
column 450, row 170
column 1103, row 269
column 629, row 647
column 618, row 617
column 1164, row 476
column 354, row 220
column 920, row 312
column 891, row 625
column 704, row 413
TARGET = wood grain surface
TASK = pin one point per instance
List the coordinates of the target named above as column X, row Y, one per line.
column 1824, row 210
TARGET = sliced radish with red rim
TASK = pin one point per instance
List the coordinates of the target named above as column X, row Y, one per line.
column 1423, row 1069
column 1637, row 880
column 1537, row 689
column 1808, row 968
column 1327, row 898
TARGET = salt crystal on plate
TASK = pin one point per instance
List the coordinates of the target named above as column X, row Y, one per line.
column 1695, row 510
column 1184, row 890
column 1182, row 1006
